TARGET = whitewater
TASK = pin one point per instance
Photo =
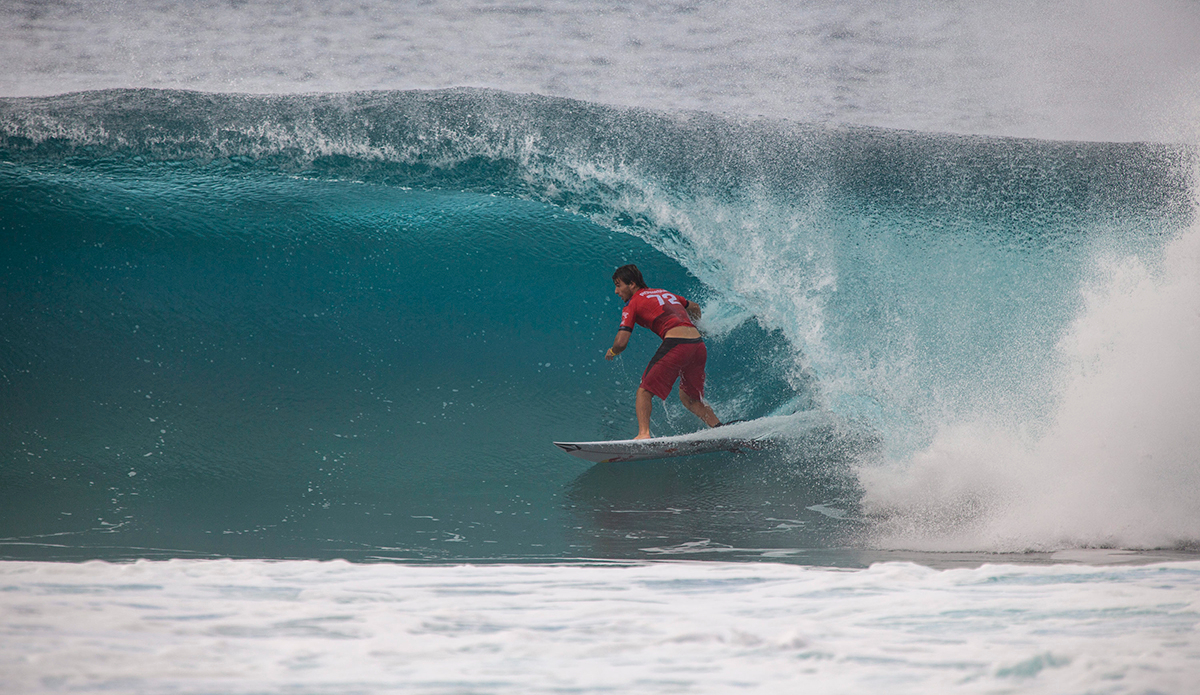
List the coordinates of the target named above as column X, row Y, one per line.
column 296, row 297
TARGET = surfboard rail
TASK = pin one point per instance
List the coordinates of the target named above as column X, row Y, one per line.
column 623, row 450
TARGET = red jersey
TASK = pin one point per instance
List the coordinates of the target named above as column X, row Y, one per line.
column 658, row 310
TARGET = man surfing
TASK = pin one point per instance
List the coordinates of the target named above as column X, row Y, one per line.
column 682, row 353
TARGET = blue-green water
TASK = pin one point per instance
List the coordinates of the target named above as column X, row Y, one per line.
column 351, row 325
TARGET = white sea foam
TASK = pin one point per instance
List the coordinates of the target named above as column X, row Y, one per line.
column 257, row 626
column 1119, row 464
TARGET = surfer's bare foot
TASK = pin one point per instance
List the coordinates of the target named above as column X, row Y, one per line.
column 643, row 436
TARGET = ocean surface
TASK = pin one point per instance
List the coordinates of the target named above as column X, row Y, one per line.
column 296, row 296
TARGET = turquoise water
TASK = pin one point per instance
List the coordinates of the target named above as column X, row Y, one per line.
column 351, row 325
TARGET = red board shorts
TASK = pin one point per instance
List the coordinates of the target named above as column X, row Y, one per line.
column 675, row 358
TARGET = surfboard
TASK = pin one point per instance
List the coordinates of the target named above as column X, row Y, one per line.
column 622, row 450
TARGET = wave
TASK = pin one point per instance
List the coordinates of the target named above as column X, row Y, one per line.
column 921, row 288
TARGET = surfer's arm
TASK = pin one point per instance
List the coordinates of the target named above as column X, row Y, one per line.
column 693, row 310
column 618, row 345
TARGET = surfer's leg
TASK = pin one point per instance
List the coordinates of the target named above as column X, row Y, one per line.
column 658, row 380
column 645, row 402
column 691, row 387
column 700, row 408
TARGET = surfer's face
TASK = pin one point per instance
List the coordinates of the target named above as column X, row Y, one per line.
column 625, row 292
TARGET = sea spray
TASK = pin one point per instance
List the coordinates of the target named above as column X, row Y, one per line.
column 1119, row 465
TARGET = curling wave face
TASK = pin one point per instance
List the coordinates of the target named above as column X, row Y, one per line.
column 349, row 324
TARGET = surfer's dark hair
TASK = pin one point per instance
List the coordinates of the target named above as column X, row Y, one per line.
column 630, row 275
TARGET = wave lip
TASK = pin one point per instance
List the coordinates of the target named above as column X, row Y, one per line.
column 688, row 152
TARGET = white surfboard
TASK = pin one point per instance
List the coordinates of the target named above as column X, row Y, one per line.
column 703, row 442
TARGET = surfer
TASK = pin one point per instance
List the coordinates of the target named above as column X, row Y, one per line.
column 682, row 353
